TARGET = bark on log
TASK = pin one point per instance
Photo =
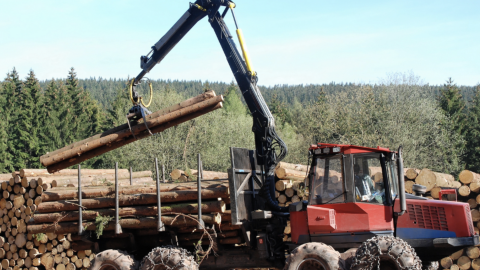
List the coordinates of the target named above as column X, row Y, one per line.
column 430, row 179
column 207, row 175
column 472, row 203
column 58, row 194
column 130, row 223
column 200, row 235
column 106, row 148
column 102, row 182
column 185, row 208
column 135, row 129
column 130, row 200
column 291, row 166
column 468, row 177
column 89, row 177
column 456, row 255
column 67, row 172
column 183, row 104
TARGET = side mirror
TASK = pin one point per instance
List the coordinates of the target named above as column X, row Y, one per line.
column 401, row 184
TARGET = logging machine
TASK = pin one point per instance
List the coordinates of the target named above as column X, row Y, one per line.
column 345, row 209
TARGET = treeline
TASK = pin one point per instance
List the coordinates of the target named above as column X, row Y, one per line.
column 438, row 126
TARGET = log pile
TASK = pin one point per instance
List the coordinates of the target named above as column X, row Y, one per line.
column 119, row 136
column 467, row 258
column 39, row 221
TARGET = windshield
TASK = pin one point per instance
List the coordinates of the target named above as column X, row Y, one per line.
column 327, row 181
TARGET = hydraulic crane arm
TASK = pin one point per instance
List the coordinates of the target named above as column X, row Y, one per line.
column 270, row 148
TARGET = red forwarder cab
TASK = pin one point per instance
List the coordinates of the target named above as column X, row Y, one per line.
column 354, row 195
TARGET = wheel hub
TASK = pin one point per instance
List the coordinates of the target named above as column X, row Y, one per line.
column 311, row 264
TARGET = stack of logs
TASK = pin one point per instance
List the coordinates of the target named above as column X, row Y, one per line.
column 20, row 249
column 191, row 175
column 468, row 190
column 290, row 187
column 39, row 223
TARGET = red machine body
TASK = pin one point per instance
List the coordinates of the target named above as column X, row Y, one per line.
column 349, row 217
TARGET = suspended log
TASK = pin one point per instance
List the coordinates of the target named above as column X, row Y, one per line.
column 175, row 107
column 185, row 208
column 135, row 129
column 468, row 177
column 127, row 223
column 129, row 200
column 58, row 194
column 109, row 147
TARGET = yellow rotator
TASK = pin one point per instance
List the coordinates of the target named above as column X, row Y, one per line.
column 140, row 99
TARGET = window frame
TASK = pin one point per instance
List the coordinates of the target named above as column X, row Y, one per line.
column 312, row 177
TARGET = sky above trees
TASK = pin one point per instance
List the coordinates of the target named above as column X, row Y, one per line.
column 289, row 42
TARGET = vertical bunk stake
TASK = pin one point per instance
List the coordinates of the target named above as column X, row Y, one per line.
column 160, row 225
column 163, row 173
column 201, row 224
column 118, row 228
column 80, row 214
column 131, row 180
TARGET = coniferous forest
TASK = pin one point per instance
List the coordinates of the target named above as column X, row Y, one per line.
column 437, row 125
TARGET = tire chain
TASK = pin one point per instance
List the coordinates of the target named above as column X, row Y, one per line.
column 370, row 259
column 162, row 250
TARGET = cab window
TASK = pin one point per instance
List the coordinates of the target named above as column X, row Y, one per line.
column 368, row 179
column 327, row 181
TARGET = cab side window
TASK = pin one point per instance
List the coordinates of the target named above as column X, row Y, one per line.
column 368, row 179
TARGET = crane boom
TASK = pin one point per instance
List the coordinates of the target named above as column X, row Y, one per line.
column 269, row 146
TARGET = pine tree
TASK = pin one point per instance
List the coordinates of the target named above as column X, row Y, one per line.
column 472, row 135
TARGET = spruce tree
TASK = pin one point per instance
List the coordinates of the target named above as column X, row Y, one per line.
column 472, row 135
column 11, row 88
column 3, row 131
column 453, row 104
column 53, row 107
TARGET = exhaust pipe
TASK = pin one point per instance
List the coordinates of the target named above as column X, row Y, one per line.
column 401, row 184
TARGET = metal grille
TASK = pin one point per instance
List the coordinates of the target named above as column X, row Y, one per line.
column 428, row 217
column 469, row 219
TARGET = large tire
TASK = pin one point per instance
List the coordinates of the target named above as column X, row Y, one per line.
column 314, row 256
column 348, row 257
column 392, row 253
column 432, row 265
column 113, row 260
column 166, row 258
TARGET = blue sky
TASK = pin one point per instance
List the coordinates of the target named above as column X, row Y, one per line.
column 290, row 42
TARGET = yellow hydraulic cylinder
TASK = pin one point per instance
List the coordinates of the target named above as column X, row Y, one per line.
column 244, row 51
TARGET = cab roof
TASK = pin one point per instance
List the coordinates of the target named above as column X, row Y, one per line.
column 349, row 149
